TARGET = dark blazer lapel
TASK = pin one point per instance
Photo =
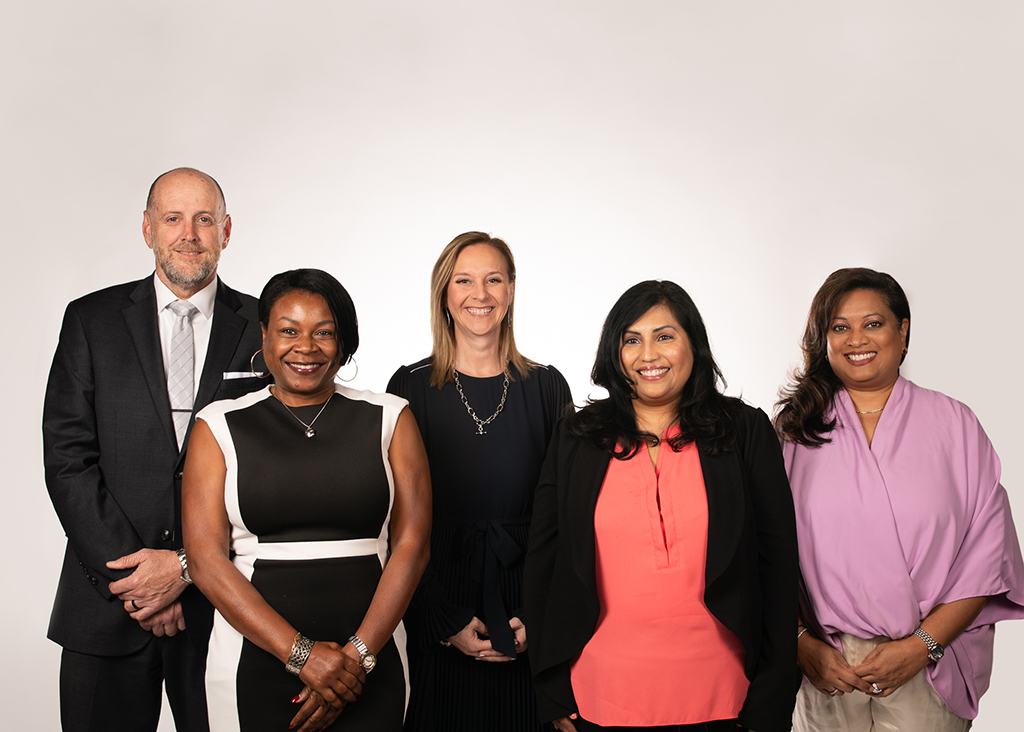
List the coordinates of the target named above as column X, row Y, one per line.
column 141, row 320
column 723, row 482
column 227, row 330
column 588, row 470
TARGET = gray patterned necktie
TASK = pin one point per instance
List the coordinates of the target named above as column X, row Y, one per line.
column 181, row 369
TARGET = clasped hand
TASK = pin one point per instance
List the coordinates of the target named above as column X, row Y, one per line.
column 473, row 640
column 150, row 592
column 887, row 667
column 891, row 664
column 333, row 679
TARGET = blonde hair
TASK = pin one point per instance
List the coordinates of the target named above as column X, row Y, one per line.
column 443, row 328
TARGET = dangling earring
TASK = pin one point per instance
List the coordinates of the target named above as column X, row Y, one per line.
column 252, row 366
column 448, row 317
column 351, row 359
column 510, row 316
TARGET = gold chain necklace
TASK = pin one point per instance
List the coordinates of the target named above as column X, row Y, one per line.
column 871, row 411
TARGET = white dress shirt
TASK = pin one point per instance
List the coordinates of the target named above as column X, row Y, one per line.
column 202, row 322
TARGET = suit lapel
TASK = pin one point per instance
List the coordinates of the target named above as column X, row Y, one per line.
column 141, row 320
column 589, row 467
column 227, row 330
column 723, row 481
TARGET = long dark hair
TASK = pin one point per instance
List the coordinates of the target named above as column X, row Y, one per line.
column 801, row 410
column 705, row 414
column 319, row 283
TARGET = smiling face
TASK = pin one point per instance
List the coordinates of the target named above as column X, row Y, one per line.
column 301, row 348
column 865, row 342
column 479, row 292
column 186, row 227
column 655, row 354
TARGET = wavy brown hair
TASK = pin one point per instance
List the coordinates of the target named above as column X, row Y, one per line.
column 801, row 411
column 442, row 327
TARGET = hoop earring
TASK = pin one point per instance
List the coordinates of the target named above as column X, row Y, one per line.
column 904, row 350
column 351, row 360
column 252, row 366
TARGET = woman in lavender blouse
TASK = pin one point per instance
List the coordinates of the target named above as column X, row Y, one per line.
column 907, row 548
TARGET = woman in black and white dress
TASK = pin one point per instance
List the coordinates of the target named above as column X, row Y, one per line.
column 306, row 513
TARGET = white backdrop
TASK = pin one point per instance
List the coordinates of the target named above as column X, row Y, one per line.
column 742, row 149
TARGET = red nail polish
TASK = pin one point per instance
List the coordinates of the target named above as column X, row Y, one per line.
column 296, row 698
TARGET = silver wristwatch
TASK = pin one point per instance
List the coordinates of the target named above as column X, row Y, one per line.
column 935, row 651
column 366, row 659
column 184, row 566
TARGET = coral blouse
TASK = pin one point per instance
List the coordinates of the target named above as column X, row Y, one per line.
column 658, row 656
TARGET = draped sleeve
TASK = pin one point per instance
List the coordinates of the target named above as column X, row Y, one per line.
column 918, row 519
column 988, row 564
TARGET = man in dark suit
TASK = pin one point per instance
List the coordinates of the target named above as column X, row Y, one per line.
column 134, row 363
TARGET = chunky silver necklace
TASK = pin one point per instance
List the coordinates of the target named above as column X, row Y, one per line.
column 872, row 411
column 310, row 432
column 480, row 423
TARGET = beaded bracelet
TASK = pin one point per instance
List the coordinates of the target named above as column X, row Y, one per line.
column 301, row 647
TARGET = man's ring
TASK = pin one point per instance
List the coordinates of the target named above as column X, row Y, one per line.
column 875, row 689
column 135, row 606
column 833, row 692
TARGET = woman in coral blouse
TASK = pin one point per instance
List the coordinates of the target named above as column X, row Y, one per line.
column 663, row 545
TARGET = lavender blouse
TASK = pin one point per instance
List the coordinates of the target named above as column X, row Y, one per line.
column 919, row 519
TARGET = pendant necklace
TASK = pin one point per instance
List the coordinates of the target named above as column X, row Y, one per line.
column 310, row 432
column 480, row 423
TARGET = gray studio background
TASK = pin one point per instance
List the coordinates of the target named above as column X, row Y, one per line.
column 742, row 149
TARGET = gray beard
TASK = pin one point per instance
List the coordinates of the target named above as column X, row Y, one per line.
column 187, row 279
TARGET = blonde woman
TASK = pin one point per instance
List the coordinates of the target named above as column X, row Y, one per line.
column 486, row 414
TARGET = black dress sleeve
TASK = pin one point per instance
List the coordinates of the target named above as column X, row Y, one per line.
column 558, row 398
column 431, row 617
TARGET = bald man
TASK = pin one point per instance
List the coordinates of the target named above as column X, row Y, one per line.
column 134, row 363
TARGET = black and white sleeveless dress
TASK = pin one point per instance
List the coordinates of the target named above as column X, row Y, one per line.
column 309, row 528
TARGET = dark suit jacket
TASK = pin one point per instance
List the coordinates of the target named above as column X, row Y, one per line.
column 750, row 573
column 113, row 468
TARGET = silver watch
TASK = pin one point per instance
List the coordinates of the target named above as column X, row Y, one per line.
column 935, row 651
column 184, row 566
column 366, row 659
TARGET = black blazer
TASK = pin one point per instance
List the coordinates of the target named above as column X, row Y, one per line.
column 750, row 573
column 112, row 464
